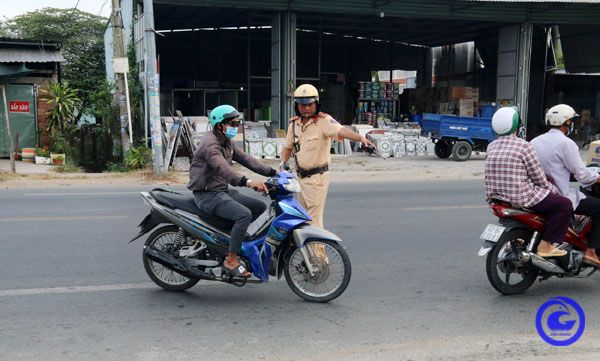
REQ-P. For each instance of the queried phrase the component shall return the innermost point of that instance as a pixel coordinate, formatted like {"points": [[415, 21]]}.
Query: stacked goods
{"points": [[377, 101], [268, 148], [398, 144], [28, 155], [444, 100], [467, 98]]}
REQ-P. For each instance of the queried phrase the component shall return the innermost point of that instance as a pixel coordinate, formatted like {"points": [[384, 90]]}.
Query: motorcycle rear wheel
{"points": [[499, 271], [159, 274], [332, 277]]}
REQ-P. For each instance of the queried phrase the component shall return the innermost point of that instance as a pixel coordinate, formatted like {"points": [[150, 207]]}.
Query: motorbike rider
{"points": [[559, 156], [514, 174], [210, 174]]}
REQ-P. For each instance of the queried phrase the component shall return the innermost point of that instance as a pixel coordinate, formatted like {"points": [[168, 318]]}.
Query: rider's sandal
{"points": [[240, 271], [591, 261], [554, 253]]}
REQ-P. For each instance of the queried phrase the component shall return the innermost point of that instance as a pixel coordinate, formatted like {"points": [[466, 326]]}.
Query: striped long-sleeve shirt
{"points": [[514, 174]]}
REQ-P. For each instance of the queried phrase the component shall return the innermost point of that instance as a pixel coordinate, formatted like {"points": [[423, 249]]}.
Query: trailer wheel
{"points": [[442, 149], [461, 151]]}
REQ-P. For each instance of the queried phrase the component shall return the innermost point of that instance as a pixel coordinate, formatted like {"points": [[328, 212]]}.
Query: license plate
{"points": [[492, 232]]}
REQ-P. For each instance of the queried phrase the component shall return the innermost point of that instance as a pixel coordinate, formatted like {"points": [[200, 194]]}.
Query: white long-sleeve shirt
{"points": [[559, 156]]}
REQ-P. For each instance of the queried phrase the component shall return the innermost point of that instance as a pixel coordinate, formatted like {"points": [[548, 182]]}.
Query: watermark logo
{"points": [[560, 321]]}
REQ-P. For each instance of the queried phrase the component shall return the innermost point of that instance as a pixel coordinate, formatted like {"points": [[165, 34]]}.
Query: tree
{"points": [[82, 44]]}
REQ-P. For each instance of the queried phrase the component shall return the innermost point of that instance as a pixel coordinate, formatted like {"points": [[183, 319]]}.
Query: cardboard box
{"points": [[586, 115], [467, 107], [458, 92], [594, 153]]}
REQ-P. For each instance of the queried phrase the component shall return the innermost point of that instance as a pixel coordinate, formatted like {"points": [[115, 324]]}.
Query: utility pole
{"points": [[119, 53], [153, 89]]}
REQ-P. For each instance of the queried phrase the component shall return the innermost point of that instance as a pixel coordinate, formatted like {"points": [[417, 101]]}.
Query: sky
{"points": [[12, 8]]}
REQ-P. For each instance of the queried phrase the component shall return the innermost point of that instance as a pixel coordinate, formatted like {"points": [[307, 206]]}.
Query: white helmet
{"points": [[505, 120], [559, 114]]}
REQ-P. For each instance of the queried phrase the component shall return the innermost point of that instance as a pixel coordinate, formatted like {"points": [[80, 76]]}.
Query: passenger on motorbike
{"points": [[210, 174], [559, 156], [514, 174]]}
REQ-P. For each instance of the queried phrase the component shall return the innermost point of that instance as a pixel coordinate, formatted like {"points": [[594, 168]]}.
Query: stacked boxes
{"points": [[397, 143], [444, 100]]}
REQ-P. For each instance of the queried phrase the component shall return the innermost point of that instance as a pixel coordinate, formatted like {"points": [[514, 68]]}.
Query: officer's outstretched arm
{"points": [[348, 134]]}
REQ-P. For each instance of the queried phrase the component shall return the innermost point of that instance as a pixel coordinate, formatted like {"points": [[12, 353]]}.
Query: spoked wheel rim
{"points": [[330, 271], [165, 243]]}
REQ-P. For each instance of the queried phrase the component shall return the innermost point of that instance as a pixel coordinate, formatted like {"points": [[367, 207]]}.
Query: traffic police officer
{"points": [[309, 138]]}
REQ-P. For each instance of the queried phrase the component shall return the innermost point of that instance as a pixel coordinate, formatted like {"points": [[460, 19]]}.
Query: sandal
{"points": [[239, 271], [591, 261], [554, 253]]}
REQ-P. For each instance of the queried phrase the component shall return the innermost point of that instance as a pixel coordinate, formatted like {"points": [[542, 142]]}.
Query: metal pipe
{"points": [[249, 72], [532, 241]]}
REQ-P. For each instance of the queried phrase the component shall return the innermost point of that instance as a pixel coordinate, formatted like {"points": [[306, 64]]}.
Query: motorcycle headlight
{"points": [[293, 186]]}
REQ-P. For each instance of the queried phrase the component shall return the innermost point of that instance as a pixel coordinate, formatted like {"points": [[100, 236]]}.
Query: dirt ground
{"points": [[356, 168]]}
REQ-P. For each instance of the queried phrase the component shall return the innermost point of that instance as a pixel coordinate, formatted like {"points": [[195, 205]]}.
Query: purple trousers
{"points": [[559, 210]]}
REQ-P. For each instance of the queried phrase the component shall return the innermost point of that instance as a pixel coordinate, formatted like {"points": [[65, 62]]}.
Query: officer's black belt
{"points": [[305, 173]]}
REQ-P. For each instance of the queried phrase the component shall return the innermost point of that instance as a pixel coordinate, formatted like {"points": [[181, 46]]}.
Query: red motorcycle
{"points": [[512, 264]]}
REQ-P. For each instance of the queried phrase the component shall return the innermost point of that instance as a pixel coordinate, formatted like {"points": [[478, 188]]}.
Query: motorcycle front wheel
{"points": [[504, 271], [332, 266], [164, 239]]}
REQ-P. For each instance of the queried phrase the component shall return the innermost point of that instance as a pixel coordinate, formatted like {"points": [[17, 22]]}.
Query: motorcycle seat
{"points": [[499, 201], [186, 202]]}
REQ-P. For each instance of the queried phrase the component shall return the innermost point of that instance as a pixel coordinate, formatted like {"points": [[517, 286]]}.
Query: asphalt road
{"points": [[72, 288]]}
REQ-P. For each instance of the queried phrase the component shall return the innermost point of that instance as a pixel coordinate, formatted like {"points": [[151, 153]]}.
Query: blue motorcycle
{"points": [[192, 245]]}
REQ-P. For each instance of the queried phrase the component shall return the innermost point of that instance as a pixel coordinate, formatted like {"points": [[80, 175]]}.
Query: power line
{"points": [[102, 8], [75, 8]]}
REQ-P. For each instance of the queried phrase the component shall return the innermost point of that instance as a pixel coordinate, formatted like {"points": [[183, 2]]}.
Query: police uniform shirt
{"points": [[314, 138]]}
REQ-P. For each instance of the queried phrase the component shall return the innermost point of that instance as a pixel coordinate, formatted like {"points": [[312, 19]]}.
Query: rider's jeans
{"points": [[558, 209], [590, 206], [234, 206]]}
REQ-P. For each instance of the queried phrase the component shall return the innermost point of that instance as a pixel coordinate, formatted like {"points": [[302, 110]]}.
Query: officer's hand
{"points": [[258, 186], [366, 142]]}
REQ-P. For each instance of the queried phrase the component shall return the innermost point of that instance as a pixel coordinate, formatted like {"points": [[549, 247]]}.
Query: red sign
{"points": [[16, 106]]}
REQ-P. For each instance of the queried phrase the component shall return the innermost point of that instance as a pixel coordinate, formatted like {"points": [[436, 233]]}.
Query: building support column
{"points": [[283, 67], [514, 67]]}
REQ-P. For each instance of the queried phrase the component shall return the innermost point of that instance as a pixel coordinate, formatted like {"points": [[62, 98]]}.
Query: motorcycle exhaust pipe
{"points": [[543, 264], [175, 264]]}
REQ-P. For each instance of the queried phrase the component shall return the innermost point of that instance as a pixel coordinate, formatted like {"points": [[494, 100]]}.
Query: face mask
{"points": [[231, 132]]}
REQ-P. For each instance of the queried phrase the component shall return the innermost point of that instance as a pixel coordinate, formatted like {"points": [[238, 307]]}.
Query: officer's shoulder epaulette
{"points": [[294, 118], [323, 115]]}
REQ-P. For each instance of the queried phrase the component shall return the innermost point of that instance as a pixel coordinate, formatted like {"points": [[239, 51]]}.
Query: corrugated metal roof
{"points": [[523, 11], [8, 55]]}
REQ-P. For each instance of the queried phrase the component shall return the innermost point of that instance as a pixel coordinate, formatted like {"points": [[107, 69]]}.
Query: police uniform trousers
{"points": [[312, 198]]}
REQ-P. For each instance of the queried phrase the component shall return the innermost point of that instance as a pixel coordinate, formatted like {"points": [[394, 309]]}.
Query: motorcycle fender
{"points": [[305, 232], [152, 220], [486, 247]]}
